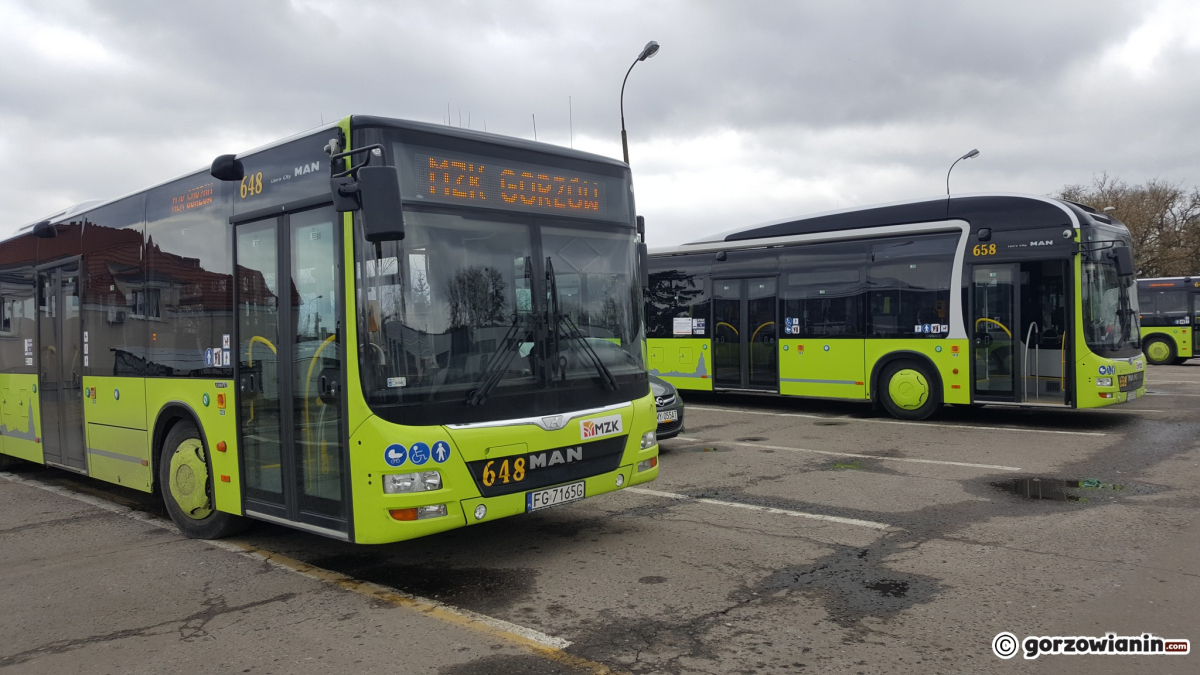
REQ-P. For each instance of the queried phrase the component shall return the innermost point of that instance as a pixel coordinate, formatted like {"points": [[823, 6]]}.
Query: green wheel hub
{"points": [[908, 389], [1158, 351], [189, 479]]}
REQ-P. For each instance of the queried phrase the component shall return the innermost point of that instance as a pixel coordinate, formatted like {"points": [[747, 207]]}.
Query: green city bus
{"points": [[975, 299], [1170, 310], [373, 331]]}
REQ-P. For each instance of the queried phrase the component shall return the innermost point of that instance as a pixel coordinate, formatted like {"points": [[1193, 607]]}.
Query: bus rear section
{"points": [[235, 342], [994, 299]]}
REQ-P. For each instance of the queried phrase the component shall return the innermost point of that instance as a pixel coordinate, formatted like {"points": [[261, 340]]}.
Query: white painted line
{"points": [[764, 509], [918, 424], [1167, 393], [319, 574], [833, 453], [1154, 381]]}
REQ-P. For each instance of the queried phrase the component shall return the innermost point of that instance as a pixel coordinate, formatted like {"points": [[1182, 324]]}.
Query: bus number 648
{"points": [[517, 475]]}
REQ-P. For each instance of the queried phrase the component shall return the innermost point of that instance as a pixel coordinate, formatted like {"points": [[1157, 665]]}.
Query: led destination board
{"points": [[479, 181]]}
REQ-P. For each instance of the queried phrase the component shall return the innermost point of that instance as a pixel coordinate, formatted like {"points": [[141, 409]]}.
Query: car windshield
{"points": [[459, 315], [1110, 302]]}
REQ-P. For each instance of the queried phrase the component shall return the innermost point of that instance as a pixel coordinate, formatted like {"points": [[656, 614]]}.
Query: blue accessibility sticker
{"points": [[441, 451], [394, 455], [418, 453], [208, 357]]}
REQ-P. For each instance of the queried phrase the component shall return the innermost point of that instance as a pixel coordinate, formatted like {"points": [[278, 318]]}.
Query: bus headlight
{"points": [[403, 483], [648, 440], [1103, 381]]}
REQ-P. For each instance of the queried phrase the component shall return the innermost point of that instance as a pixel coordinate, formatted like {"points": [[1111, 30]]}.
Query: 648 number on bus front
{"points": [[980, 250], [503, 473]]}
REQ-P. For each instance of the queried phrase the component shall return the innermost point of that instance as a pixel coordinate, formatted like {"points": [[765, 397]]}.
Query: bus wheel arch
{"points": [[1160, 350], [912, 372], [183, 476]]}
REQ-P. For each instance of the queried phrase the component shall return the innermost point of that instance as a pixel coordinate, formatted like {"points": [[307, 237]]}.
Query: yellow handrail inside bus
{"points": [[722, 323], [769, 323], [307, 383], [1006, 330], [250, 362]]}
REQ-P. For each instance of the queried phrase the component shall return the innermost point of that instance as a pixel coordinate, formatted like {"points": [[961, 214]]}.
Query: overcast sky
{"points": [[751, 111]]}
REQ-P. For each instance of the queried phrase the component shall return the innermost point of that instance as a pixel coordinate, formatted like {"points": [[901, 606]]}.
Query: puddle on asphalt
{"points": [[706, 448], [751, 439], [830, 423], [1057, 489], [889, 588]]}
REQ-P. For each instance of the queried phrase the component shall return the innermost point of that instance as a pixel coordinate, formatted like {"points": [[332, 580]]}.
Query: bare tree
{"points": [[1162, 217]]}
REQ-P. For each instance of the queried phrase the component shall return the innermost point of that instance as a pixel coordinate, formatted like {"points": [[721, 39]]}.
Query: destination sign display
{"points": [[475, 180]]}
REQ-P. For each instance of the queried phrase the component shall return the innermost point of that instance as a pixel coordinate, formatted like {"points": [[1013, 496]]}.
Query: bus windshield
{"points": [[1110, 309], [460, 324]]}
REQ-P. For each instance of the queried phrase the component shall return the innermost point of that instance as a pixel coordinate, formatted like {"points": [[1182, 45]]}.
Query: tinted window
{"points": [[1164, 307], [909, 281], [18, 319], [186, 301], [679, 289], [114, 276], [826, 295]]}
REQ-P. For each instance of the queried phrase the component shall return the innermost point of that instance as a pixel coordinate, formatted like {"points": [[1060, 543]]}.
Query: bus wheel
{"points": [[908, 391], [185, 474], [1159, 351]]}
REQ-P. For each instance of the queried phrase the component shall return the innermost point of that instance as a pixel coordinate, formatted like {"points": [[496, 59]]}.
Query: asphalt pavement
{"points": [[783, 536]]}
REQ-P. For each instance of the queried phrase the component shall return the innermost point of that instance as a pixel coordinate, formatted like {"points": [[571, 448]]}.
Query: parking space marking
{"points": [[1154, 381], [1167, 393], [919, 424], [833, 453], [763, 509], [547, 646]]}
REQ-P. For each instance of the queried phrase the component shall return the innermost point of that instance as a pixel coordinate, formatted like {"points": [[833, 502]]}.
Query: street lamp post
{"points": [[649, 50], [969, 155]]}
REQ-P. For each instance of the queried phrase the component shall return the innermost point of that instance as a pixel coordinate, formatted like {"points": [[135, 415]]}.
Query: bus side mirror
{"points": [[45, 230], [644, 265], [1123, 257], [227, 168], [375, 191]]}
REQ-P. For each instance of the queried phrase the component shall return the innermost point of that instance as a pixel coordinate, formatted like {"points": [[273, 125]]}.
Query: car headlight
{"points": [[1103, 381], [403, 483]]}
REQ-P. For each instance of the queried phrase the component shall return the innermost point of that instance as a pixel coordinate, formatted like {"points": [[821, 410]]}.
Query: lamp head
{"points": [[649, 50], [969, 155]]}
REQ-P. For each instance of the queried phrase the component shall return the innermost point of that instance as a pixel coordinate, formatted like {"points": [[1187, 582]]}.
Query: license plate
{"points": [[668, 416], [544, 499], [1132, 396]]}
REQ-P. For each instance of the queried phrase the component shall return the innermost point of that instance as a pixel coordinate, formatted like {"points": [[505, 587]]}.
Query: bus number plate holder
{"points": [[555, 496]]}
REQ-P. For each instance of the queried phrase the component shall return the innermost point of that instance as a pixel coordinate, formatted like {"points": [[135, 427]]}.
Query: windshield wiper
{"points": [[497, 365], [573, 332]]}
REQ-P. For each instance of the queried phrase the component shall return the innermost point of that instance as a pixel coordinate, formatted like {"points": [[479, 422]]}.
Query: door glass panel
{"points": [[49, 365], [1042, 330], [71, 384], [316, 362], [993, 325], [727, 329], [258, 336], [760, 315]]}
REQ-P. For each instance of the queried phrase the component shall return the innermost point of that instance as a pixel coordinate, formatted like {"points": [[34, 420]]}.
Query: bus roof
{"points": [[356, 121], [998, 211]]}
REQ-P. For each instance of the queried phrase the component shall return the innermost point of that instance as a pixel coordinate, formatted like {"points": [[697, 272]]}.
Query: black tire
{"points": [[1171, 353], [1180, 360], [900, 410], [214, 524]]}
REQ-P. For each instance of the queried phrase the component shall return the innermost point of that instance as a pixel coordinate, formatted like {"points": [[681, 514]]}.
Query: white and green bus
{"points": [[974, 299]]}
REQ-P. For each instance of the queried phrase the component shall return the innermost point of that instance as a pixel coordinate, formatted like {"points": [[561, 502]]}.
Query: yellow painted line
{"points": [[546, 646]]}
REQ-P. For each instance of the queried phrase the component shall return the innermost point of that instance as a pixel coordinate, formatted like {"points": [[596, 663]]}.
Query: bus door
{"points": [[993, 320], [744, 334], [1020, 326], [60, 368], [290, 334]]}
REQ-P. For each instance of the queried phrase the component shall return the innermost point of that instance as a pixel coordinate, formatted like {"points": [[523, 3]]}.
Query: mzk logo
{"points": [[603, 426], [307, 168]]}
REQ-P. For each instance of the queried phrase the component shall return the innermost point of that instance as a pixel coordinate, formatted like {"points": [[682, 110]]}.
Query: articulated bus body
{"points": [[239, 346], [974, 299], [1170, 312]]}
